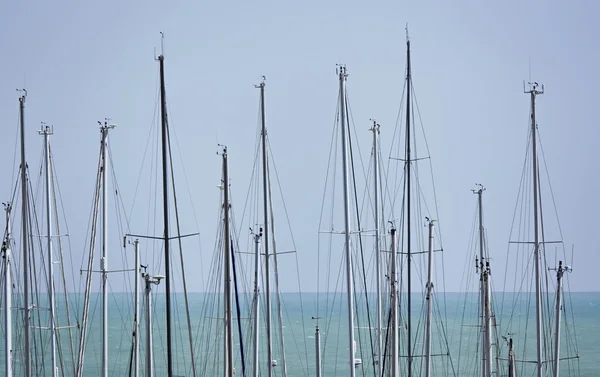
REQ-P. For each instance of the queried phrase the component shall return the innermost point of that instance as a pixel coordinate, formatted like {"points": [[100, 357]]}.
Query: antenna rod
{"points": [[349, 280], [261, 86], [6, 256], [47, 132], [408, 219], [24, 201], [165, 168]]}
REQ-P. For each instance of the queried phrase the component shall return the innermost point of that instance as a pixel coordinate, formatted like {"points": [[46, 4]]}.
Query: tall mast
{"points": [[256, 308], [429, 298], [165, 170], [394, 304], [408, 208], [228, 370], [559, 276], [103, 260], [136, 329], [27, 356], [7, 296], [149, 280], [349, 280], [533, 91], [261, 86], [375, 130], [46, 131], [485, 295]]}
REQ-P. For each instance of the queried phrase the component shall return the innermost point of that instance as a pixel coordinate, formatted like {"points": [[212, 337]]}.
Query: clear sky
{"points": [[84, 61]]}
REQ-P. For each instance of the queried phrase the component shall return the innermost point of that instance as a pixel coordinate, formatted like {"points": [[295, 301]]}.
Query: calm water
{"points": [[299, 333]]}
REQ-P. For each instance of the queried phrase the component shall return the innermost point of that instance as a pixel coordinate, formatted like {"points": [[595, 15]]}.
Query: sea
{"points": [[455, 334]]}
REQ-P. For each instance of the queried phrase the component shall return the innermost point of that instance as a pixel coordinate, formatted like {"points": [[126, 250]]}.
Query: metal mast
{"points": [[559, 276], [408, 230], [349, 280], [227, 272], [103, 260], [533, 91], [24, 201], [394, 304], [46, 131], [149, 280], [165, 170], [8, 348], [429, 298], [261, 86], [256, 313], [485, 293], [136, 328], [375, 130]]}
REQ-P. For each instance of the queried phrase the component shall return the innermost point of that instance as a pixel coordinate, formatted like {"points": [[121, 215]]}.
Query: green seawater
{"points": [[455, 315]]}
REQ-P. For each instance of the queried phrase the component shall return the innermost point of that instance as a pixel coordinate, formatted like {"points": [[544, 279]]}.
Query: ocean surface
{"points": [[456, 321]]}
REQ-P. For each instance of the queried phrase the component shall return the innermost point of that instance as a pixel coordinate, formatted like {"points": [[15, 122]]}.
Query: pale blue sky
{"points": [[84, 61]]}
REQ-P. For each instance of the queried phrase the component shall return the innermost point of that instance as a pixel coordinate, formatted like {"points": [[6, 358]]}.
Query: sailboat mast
{"points": [[559, 276], [7, 296], [537, 257], [256, 320], [103, 260], [375, 130], [349, 280], [429, 298], [261, 86], [394, 304], [408, 210], [27, 349], [228, 370], [165, 169], [486, 355], [136, 328], [46, 131]]}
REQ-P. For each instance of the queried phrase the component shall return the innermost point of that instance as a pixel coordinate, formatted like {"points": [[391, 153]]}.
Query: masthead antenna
{"points": [[162, 44]]}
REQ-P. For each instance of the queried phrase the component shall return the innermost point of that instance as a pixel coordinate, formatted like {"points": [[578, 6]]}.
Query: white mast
{"points": [[559, 276], [261, 86], [533, 91], [394, 305], [429, 298], [149, 280], [136, 322], [349, 280], [46, 131], [375, 130], [228, 359], [256, 300], [318, 351], [103, 260], [7, 296], [25, 261]]}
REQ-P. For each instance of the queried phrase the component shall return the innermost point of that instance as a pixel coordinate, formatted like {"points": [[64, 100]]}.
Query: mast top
{"points": [[375, 126], [341, 71], [262, 83], [23, 94], [533, 88], [479, 189], [45, 129]]}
